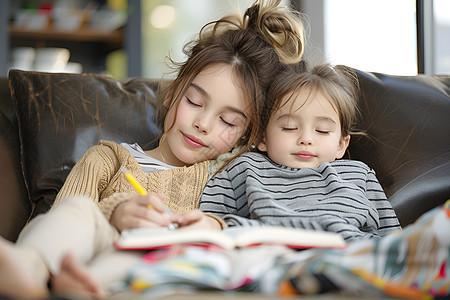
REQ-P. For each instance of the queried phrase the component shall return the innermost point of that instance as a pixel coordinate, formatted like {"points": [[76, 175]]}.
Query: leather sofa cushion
{"points": [[408, 142], [61, 115]]}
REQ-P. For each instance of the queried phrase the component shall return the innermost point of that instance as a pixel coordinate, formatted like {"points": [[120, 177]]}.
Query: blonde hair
{"points": [[257, 45], [339, 84]]}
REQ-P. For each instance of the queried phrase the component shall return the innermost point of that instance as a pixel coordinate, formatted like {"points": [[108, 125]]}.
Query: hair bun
{"points": [[279, 26], [252, 14]]}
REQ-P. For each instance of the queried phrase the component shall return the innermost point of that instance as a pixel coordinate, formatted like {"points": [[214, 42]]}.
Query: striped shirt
{"points": [[147, 163], [343, 196]]}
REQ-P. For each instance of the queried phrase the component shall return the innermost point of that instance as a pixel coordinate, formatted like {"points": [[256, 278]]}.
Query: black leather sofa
{"points": [[47, 121]]}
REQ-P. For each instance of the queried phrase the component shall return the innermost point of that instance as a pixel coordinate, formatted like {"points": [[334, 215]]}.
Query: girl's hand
{"points": [[195, 219], [140, 211]]}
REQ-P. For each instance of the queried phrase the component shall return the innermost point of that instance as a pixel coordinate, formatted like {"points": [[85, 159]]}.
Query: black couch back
{"points": [[53, 118]]}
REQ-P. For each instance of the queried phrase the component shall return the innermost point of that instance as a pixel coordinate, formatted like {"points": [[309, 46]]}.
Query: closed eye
{"points": [[323, 131], [289, 128], [227, 123], [192, 103]]}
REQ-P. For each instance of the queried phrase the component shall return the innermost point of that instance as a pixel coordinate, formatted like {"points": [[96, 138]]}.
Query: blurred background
{"points": [[131, 38]]}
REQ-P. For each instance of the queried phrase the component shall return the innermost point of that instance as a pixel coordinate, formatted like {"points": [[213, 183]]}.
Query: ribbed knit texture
{"points": [[343, 196], [98, 176]]}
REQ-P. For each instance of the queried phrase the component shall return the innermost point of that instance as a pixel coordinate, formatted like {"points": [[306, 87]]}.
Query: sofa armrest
{"points": [[15, 207]]}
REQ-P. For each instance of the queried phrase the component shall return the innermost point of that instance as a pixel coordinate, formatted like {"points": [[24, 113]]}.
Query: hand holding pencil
{"points": [[132, 213], [140, 210], [141, 190]]}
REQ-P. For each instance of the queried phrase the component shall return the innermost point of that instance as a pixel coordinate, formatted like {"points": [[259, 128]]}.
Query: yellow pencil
{"points": [[135, 183], [139, 188]]}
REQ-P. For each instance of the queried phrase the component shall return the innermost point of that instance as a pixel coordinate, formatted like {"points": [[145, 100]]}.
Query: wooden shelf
{"points": [[84, 34], [87, 46]]}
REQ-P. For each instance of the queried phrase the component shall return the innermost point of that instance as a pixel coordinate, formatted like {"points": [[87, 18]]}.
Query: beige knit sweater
{"points": [[98, 176]]}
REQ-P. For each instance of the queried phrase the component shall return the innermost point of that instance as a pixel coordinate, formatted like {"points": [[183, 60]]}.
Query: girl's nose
{"points": [[304, 138], [202, 124]]}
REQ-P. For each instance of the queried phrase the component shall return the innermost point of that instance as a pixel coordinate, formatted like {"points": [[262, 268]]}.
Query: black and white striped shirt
{"points": [[343, 196]]}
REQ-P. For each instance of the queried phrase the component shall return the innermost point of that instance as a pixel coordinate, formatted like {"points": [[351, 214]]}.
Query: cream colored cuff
{"points": [[109, 204], [221, 222]]}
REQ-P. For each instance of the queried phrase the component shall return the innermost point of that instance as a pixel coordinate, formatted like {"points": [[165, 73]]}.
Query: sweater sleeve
{"points": [[90, 175], [225, 192], [387, 216], [314, 199], [327, 222], [109, 204], [218, 197]]}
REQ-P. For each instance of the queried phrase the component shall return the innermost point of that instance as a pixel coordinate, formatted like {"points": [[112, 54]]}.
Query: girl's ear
{"points": [[343, 144], [262, 146]]}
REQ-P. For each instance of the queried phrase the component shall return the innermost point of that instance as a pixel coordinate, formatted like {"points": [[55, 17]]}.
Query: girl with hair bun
{"points": [[256, 46], [211, 112]]}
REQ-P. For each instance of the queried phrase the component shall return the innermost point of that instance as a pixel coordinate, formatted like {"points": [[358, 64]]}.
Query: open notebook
{"points": [[230, 238]]}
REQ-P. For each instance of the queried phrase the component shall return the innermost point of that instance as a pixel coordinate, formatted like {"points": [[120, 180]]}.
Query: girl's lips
{"points": [[192, 141], [304, 155]]}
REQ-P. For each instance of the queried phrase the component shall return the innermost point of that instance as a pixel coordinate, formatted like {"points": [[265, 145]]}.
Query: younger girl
{"points": [[299, 180], [212, 106]]}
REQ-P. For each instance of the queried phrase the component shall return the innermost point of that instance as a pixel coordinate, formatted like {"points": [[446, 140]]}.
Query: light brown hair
{"points": [[256, 45], [339, 84]]}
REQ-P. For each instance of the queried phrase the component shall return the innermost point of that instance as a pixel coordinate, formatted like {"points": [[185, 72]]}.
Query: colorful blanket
{"points": [[413, 264]]}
